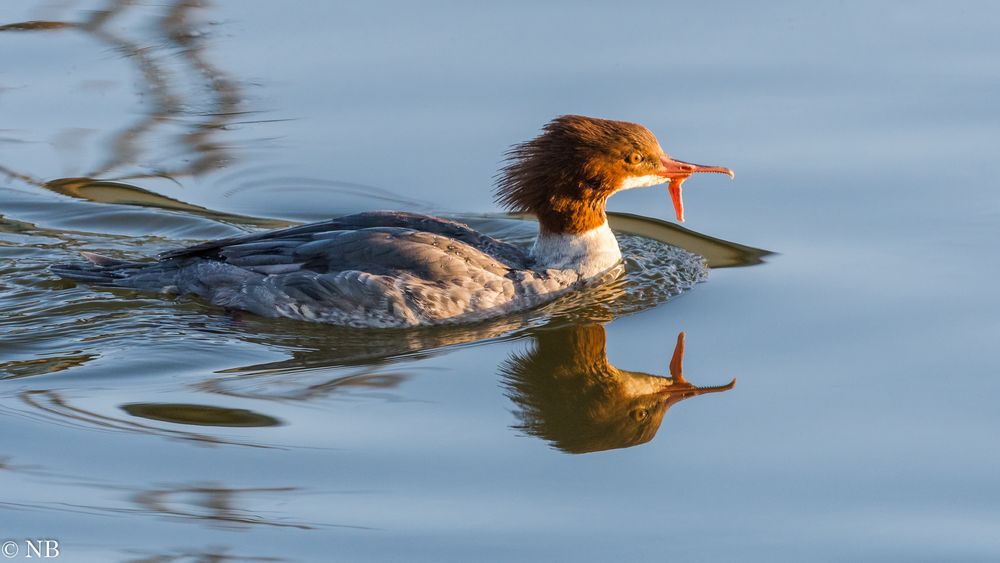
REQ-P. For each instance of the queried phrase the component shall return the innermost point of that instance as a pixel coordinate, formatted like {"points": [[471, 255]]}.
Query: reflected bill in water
{"points": [[568, 394]]}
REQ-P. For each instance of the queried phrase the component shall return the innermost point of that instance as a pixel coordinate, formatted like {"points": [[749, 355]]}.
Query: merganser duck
{"points": [[396, 269]]}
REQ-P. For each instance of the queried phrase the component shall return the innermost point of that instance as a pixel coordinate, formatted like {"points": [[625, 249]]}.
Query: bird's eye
{"points": [[640, 414], [634, 158]]}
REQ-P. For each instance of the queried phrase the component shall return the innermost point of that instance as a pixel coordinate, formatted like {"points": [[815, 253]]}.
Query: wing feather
{"points": [[306, 240]]}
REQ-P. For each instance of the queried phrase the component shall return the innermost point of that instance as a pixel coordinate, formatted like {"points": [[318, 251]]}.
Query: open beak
{"points": [[677, 171]]}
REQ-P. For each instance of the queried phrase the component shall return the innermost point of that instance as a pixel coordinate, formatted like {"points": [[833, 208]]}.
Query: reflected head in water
{"points": [[567, 393]]}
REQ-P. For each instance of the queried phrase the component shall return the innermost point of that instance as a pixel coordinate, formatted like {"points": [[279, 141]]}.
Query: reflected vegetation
{"points": [[568, 394], [8, 464], [302, 386], [717, 252], [120, 193], [169, 109], [199, 415], [217, 505], [188, 103], [39, 366], [194, 502], [53, 405], [208, 554]]}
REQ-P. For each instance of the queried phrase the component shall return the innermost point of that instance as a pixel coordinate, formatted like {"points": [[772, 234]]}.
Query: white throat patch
{"points": [[588, 253], [642, 181]]}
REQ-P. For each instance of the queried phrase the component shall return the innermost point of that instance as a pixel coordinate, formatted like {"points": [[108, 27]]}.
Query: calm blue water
{"points": [[863, 136]]}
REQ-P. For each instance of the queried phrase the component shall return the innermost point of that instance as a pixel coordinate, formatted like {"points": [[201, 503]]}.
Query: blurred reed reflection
{"points": [[187, 100], [57, 407], [208, 554], [187, 105], [217, 505], [199, 415], [121, 193], [568, 394]]}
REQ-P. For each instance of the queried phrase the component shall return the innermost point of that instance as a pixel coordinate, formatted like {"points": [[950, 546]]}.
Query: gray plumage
{"points": [[379, 269]]}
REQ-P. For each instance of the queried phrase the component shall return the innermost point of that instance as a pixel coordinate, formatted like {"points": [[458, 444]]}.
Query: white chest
{"points": [[589, 253]]}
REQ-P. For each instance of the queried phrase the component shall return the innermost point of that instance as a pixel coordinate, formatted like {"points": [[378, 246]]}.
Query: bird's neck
{"points": [[589, 253], [572, 209], [573, 232]]}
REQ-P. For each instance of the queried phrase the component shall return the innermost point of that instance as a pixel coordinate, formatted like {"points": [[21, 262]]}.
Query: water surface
{"points": [[145, 428]]}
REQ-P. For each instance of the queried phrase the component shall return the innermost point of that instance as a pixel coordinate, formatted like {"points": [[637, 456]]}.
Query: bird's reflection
{"points": [[568, 394]]}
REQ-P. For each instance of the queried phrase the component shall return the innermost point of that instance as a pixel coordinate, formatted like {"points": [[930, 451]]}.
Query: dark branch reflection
{"points": [[55, 406], [200, 415], [211, 554], [14, 369], [189, 103], [568, 393], [219, 100], [120, 193], [201, 503], [215, 504], [178, 35]]}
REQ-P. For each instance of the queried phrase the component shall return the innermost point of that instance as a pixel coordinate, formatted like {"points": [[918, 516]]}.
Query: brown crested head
{"points": [[566, 174]]}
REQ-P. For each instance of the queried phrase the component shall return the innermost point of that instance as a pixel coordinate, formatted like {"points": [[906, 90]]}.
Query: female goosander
{"points": [[396, 269]]}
